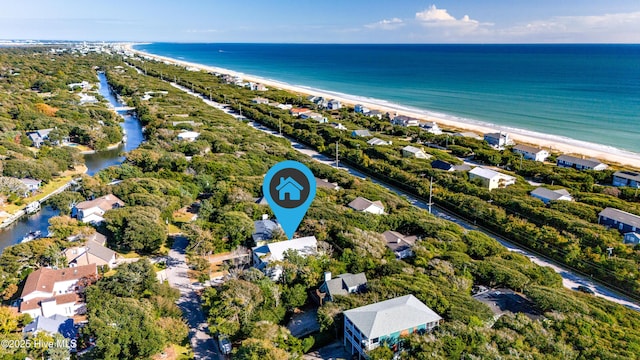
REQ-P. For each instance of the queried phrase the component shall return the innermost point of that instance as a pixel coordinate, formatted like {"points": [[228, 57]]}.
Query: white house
{"points": [[48, 292], [568, 161], [314, 116], [530, 152], [92, 211], [31, 184], [491, 179], [265, 255], [367, 327], [38, 137], [412, 151], [364, 205], [361, 109], [547, 195], [432, 128], [406, 121], [498, 140], [188, 135], [378, 142], [338, 126], [334, 104]]}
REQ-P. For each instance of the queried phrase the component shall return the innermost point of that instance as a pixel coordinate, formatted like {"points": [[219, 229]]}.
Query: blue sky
{"points": [[329, 21]]}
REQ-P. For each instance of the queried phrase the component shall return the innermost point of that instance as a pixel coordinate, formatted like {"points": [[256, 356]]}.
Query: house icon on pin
{"points": [[289, 187]]}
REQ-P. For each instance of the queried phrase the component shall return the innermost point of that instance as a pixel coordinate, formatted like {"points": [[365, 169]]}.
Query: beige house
{"points": [[92, 211], [90, 253]]}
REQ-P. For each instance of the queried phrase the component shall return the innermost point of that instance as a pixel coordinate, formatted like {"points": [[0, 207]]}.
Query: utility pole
{"points": [[280, 126], [430, 193], [210, 98], [337, 161], [521, 156]]}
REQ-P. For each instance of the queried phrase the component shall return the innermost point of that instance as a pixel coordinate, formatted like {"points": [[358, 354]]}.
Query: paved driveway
{"points": [[204, 346]]}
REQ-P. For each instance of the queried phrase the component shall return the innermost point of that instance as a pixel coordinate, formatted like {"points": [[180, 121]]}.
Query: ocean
{"points": [[584, 92]]}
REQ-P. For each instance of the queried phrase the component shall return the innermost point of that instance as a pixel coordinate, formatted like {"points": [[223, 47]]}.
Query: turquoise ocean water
{"points": [[584, 92]]}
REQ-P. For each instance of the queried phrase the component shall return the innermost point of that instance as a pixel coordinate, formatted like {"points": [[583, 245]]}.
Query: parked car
{"points": [[585, 290], [224, 344]]}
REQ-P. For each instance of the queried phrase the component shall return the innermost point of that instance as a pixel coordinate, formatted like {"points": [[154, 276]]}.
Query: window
{"points": [[375, 340]]}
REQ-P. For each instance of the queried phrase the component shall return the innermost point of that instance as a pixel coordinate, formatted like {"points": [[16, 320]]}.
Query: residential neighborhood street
{"points": [[203, 345]]}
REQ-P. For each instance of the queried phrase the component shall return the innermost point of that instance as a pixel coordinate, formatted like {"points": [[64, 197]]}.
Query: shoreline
{"points": [[555, 143]]}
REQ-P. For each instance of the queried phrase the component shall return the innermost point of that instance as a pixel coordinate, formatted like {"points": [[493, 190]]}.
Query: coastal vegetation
{"points": [[565, 232], [226, 168], [220, 174]]}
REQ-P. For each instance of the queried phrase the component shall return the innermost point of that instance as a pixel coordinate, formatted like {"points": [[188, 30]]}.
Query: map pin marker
{"points": [[289, 188]]}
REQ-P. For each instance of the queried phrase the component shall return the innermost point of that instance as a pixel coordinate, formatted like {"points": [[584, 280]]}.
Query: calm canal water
{"points": [[94, 162]]}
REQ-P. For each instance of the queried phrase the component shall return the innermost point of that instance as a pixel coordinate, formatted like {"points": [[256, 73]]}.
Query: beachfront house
{"points": [[491, 179], [334, 104], [568, 161], [443, 165], [498, 140], [385, 322], [617, 219], [632, 238], [626, 178], [343, 285], [360, 133], [412, 151], [378, 142], [90, 253], [189, 136], [365, 205], [431, 128], [400, 244], [530, 152], [547, 195], [402, 120], [48, 292], [264, 256], [91, 211], [38, 137], [361, 109], [375, 113], [468, 134]]}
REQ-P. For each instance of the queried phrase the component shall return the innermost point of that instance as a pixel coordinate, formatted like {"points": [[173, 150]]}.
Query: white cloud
{"points": [[434, 17], [621, 27], [386, 24]]}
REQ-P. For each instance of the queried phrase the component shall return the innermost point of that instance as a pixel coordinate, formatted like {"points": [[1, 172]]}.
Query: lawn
{"points": [[45, 190]]}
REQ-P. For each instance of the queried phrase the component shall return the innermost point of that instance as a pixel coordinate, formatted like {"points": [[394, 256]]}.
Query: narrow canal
{"points": [[94, 162]]}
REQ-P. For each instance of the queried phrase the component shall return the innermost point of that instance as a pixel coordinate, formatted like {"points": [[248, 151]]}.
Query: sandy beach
{"points": [[607, 154]]}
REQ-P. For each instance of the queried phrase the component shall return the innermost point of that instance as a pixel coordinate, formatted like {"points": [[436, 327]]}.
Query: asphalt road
{"points": [[204, 346], [570, 279]]}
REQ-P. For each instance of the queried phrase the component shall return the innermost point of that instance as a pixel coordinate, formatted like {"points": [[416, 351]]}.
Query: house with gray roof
{"points": [[618, 219], [366, 205], [60, 324], [412, 151], [530, 152], [264, 256], [443, 165], [568, 161], [377, 142], [400, 244], [491, 179], [383, 323], [90, 253], [38, 137], [547, 195], [360, 133], [632, 238], [626, 178], [343, 284], [263, 230]]}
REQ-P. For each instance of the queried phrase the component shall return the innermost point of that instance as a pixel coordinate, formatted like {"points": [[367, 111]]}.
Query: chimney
{"points": [[265, 216], [398, 240], [281, 179], [327, 276]]}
